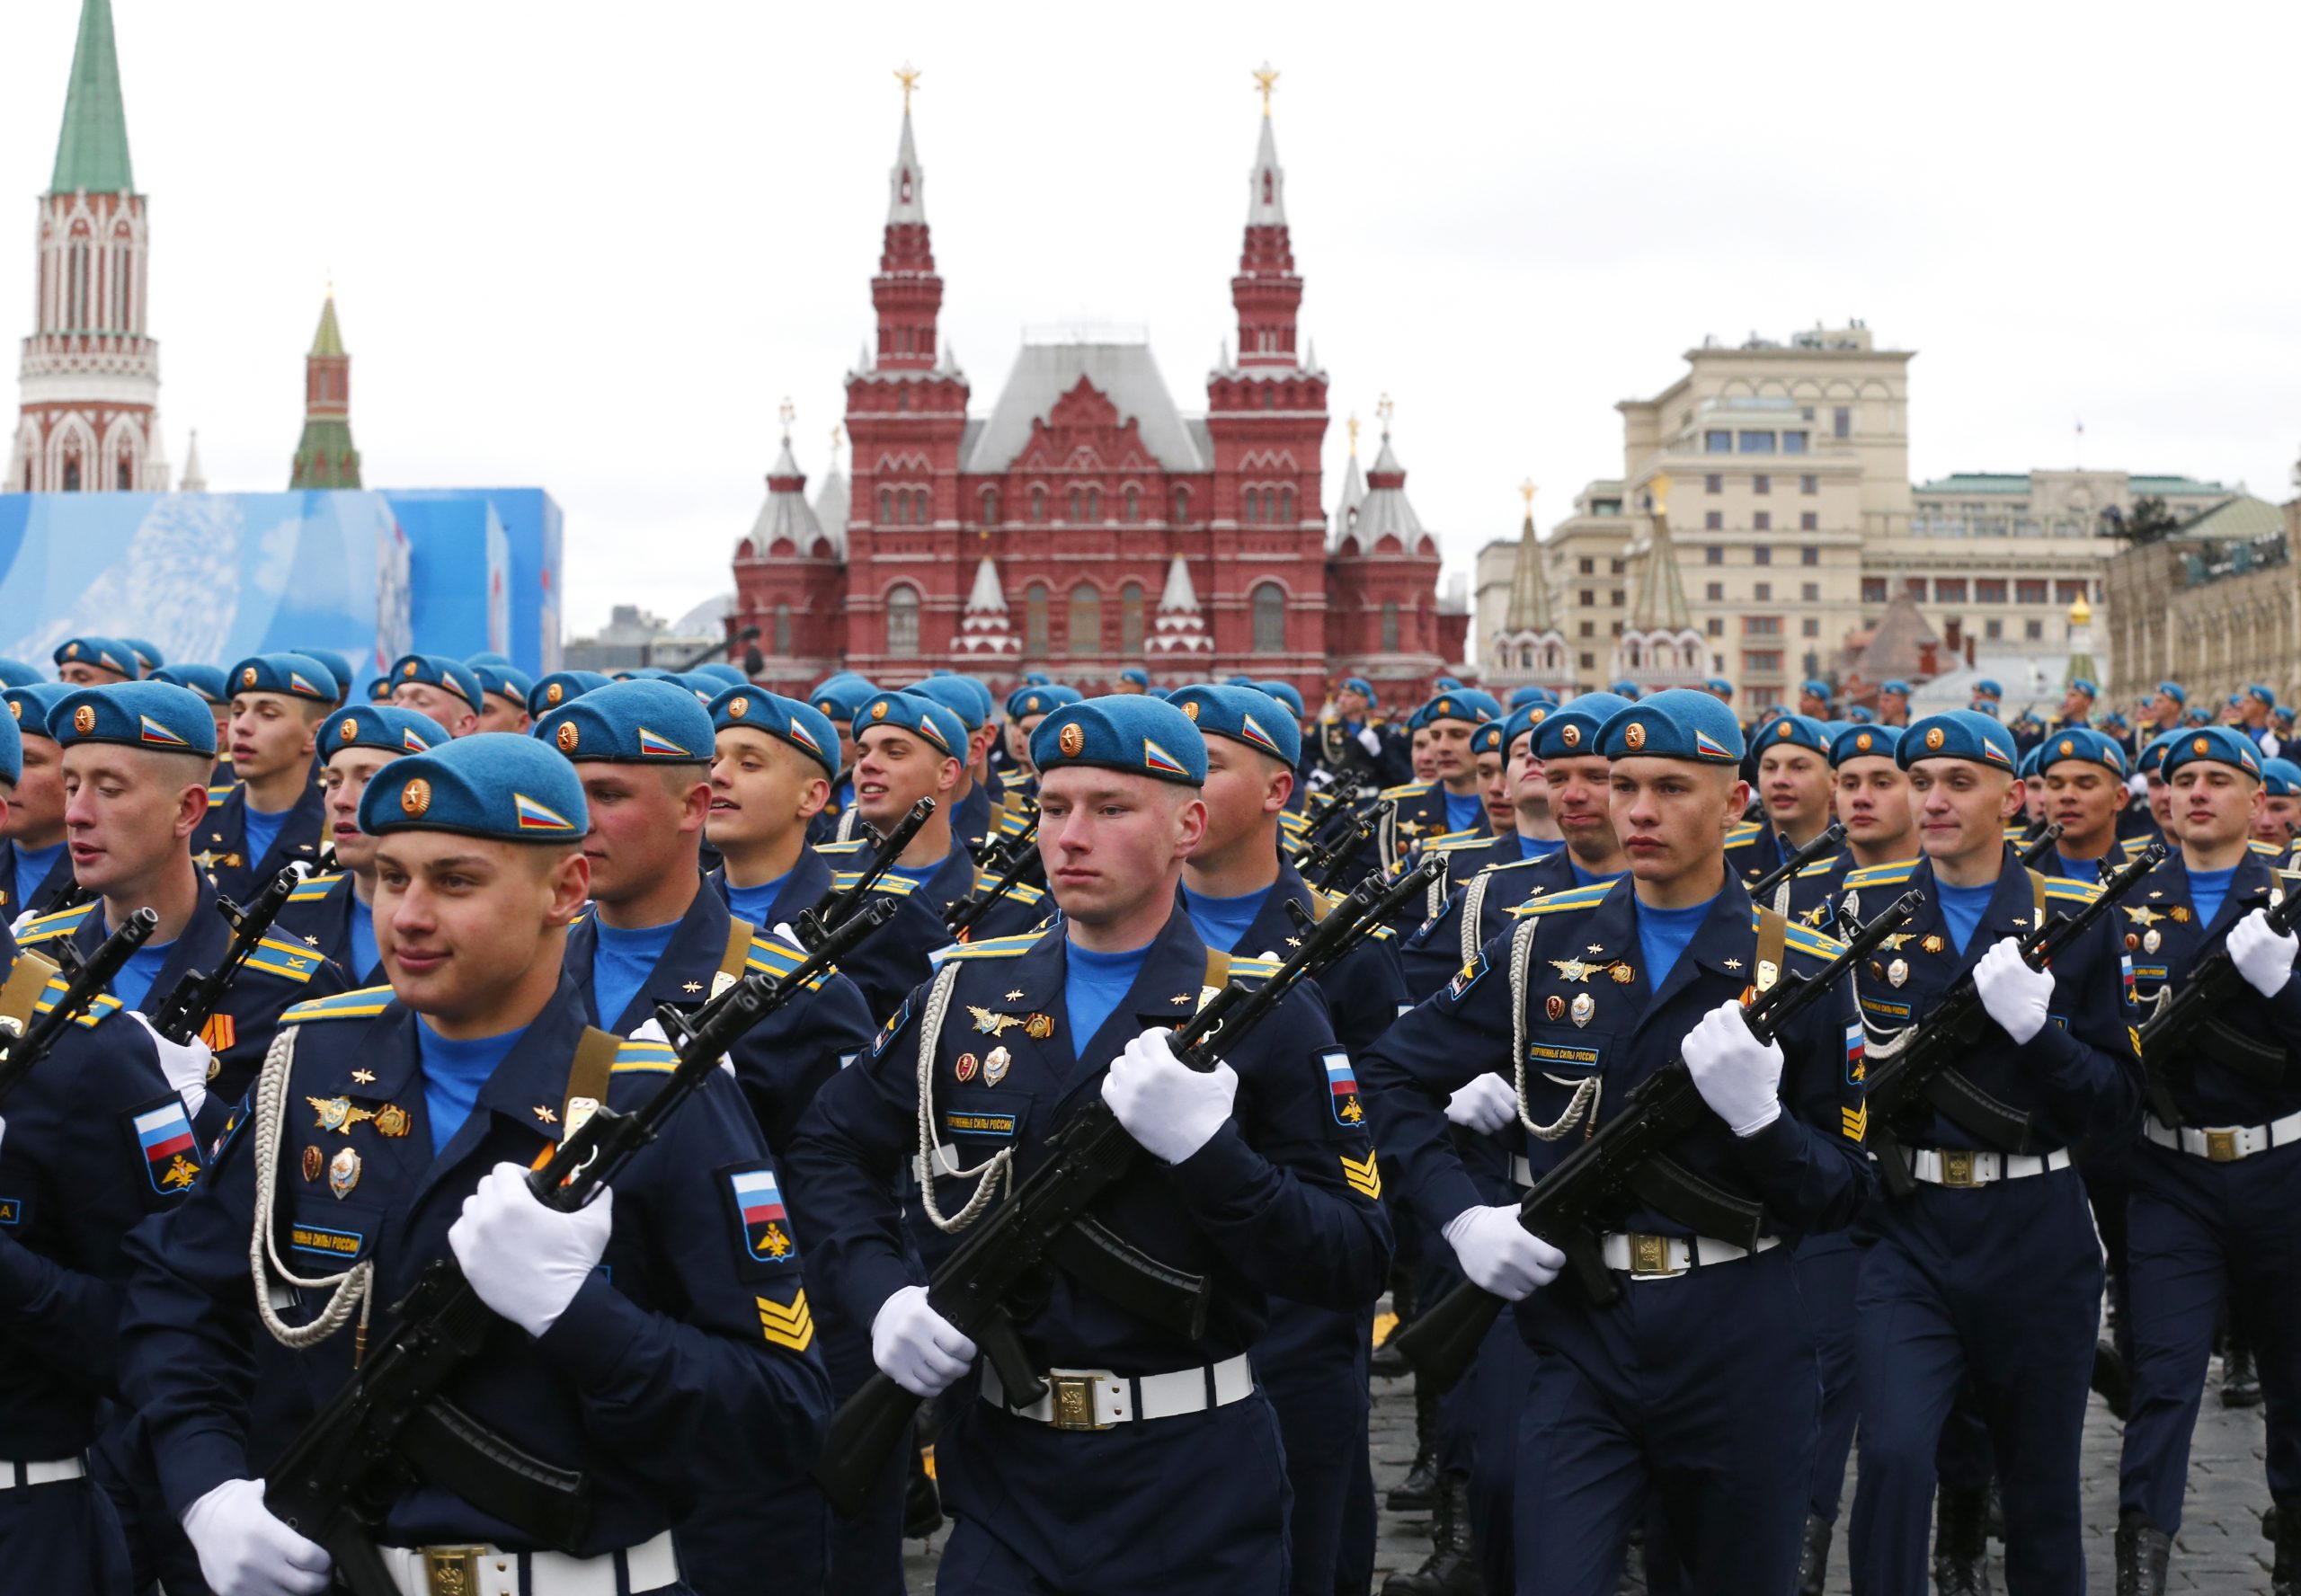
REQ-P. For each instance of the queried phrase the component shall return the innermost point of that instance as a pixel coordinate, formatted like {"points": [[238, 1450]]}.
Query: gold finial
{"points": [[1526, 492], [907, 75], [1264, 75], [788, 412], [1660, 490], [2081, 613], [1352, 424], [836, 433], [1382, 408]]}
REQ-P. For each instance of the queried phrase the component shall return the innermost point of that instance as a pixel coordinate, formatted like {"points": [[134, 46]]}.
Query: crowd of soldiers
{"points": [[594, 1137]]}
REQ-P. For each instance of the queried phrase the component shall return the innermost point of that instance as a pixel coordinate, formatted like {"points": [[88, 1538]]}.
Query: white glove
{"points": [[2015, 995], [1738, 1076], [2261, 956], [526, 1261], [916, 1347], [1170, 1108], [1371, 740], [1484, 1105], [244, 1551], [1500, 1254], [185, 1064]]}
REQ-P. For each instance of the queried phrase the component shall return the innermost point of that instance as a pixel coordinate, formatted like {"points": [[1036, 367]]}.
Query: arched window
{"points": [[1270, 618], [922, 507], [990, 507], [1075, 505], [1285, 505], [886, 507], [72, 474], [1253, 505], [1038, 504], [1390, 626], [902, 619], [126, 475], [1129, 620], [1094, 504], [782, 633], [1034, 620], [1133, 506], [902, 395], [1181, 505], [1085, 637]]}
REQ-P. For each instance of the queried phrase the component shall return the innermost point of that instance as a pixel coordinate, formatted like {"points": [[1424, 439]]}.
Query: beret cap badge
{"points": [[247, 677], [349, 731], [1864, 741], [1190, 708], [415, 798], [1935, 737], [1072, 739], [1571, 736], [83, 719], [1633, 736], [2198, 747], [554, 692], [879, 709], [567, 737], [410, 669], [738, 708]]}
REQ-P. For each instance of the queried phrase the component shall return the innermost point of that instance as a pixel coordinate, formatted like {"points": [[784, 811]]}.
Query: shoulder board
{"points": [[1744, 830], [777, 959], [1741, 842], [292, 961], [1257, 969], [1408, 790], [1447, 842], [643, 1057], [313, 887], [1881, 875], [893, 885], [48, 927], [998, 947], [1021, 893], [1293, 821], [836, 849], [365, 1004], [2072, 891], [1807, 940], [1588, 897], [2015, 833], [101, 1009], [2267, 850], [2133, 845], [1823, 868], [221, 791]]}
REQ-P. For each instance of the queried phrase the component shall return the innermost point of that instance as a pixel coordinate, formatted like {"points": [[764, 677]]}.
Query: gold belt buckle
{"points": [[452, 1571], [1649, 1257], [1957, 1168], [2221, 1147], [1073, 1406]]}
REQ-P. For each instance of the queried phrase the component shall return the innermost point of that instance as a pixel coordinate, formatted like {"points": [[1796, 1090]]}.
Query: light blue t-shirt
{"points": [[453, 1074], [2208, 888], [621, 964], [916, 874], [1663, 934], [1962, 908], [1221, 921], [262, 828], [1539, 848], [364, 951], [2084, 870], [1584, 878], [33, 866], [1093, 984], [756, 903], [133, 984], [1462, 813]]}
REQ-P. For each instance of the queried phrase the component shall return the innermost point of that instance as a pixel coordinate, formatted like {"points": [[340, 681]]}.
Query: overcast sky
{"points": [[591, 248]]}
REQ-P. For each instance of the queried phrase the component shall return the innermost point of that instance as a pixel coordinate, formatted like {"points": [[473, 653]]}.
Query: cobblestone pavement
{"points": [[2220, 1548]]}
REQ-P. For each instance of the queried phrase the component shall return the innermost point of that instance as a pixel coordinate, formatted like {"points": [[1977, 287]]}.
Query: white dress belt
{"points": [[1947, 1166], [13, 1475], [1666, 1257], [2223, 1144], [486, 1571], [1098, 1400]]}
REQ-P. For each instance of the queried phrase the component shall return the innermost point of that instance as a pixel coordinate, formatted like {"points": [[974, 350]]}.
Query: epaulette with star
{"points": [[1408, 790], [2062, 889], [1573, 897], [634, 1056], [1882, 876], [998, 947], [777, 959], [290, 961], [313, 887], [101, 1009], [1812, 871], [364, 1003], [2267, 850], [1743, 835], [48, 928], [1447, 842], [1253, 968]]}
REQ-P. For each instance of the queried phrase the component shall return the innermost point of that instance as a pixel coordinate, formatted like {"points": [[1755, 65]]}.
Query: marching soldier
{"points": [[2082, 773], [1989, 1273], [2217, 1178], [838, 697], [503, 696], [2076, 705], [1026, 706], [87, 662], [1795, 786], [336, 912], [1259, 1176], [208, 682], [2281, 817], [1705, 1361], [1449, 803], [1893, 704], [657, 1341], [971, 802], [35, 867], [447, 690], [557, 688], [273, 818], [1355, 747], [1870, 799]]}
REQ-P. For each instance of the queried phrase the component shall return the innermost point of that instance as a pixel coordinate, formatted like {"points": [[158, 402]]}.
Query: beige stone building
{"points": [[2213, 606]]}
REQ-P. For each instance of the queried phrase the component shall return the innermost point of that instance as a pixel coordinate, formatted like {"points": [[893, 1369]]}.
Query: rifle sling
{"points": [[1100, 1258], [452, 1449], [20, 996], [736, 956], [587, 1077]]}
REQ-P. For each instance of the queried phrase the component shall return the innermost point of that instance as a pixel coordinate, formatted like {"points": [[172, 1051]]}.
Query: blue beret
{"points": [[2027, 767], [726, 675], [2218, 745], [1796, 731], [1139, 734], [802, 725], [633, 723], [559, 687], [1454, 706], [207, 680], [156, 715], [1719, 686], [1243, 715], [1039, 699], [2261, 692], [2282, 711], [339, 666], [505, 681], [1895, 686], [379, 688], [30, 706], [2114, 719], [1141, 679], [385, 726], [1519, 723], [109, 653], [1958, 734], [1360, 685], [148, 653], [1676, 724], [1857, 716], [1531, 694], [438, 671], [2082, 743], [704, 689], [1572, 730], [956, 694], [1864, 743], [1625, 689], [1445, 684], [913, 714], [16, 673], [486, 657], [837, 695], [1487, 739], [2197, 716], [495, 784], [1038, 679], [2151, 760], [12, 753], [1287, 693], [2085, 685], [2175, 691], [297, 675], [2281, 777], [1989, 688], [1819, 689]]}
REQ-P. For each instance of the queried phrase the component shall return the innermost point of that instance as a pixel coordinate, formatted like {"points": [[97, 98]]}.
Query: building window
{"points": [[1762, 521], [1130, 619], [1713, 555], [1270, 618], [2029, 592], [1390, 625], [1285, 505], [1589, 629], [1038, 504], [1992, 629], [1761, 660], [1811, 592], [886, 507], [1589, 662], [1717, 625], [1810, 484], [71, 473], [124, 477], [990, 507], [1589, 597], [1714, 593], [2034, 631], [1094, 504], [1714, 520], [1873, 590], [2068, 592], [1812, 626], [1755, 443], [1615, 568], [1588, 566], [1915, 586], [1761, 484], [1616, 597], [1717, 443], [1077, 504], [1762, 592], [1950, 589], [1809, 554], [903, 620], [1134, 507], [1989, 589], [1084, 636], [1841, 421], [782, 633], [1762, 556], [1793, 443], [1034, 620], [1713, 484], [1808, 521], [1181, 505]]}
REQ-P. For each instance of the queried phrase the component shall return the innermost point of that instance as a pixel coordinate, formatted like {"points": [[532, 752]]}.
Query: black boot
{"points": [[1450, 1570], [2141, 1552], [2241, 1379], [1419, 1492], [1959, 1544], [1814, 1557], [2284, 1572]]}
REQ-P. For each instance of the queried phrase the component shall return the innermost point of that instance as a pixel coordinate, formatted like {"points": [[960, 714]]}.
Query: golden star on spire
{"points": [[1660, 489], [788, 412], [1264, 75], [907, 75], [1383, 408], [1526, 492], [1352, 424]]}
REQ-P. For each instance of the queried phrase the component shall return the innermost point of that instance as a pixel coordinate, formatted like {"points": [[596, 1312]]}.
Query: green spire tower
{"points": [[324, 457], [92, 152]]}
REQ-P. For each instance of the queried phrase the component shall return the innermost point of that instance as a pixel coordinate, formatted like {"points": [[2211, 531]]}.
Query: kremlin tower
{"points": [[324, 457]]}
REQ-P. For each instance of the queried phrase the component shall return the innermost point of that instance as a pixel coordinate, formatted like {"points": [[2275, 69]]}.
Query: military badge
{"points": [[988, 1023], [995, 1066], [1933, 943], [338, 1114], [567, 737], [1620, 973], [767, 1237], [83, 719], [1039, 1027], [2180, 913], [1071, 739], [1554, 1007], [2151, 940], [1633, 736], [392, 1120], [1466, 977], [1342, 1089], [342, 1173], [1583, 1007], [312, 1163], [1898, 972], [963, 1067], [415, 798]]}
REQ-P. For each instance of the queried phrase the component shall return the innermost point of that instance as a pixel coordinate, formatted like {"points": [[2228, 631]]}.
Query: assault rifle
{"points": [[1012, 856], [391, 1428], [186, 1009], [28, 1044], [1925, 1068], [1624, 1157], [1323, 859], [2039, 845], [835, 907], [1047, 1217], [2192, 1019], [1820, 848]]}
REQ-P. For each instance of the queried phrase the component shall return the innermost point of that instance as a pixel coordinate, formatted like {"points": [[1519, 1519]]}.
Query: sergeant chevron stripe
{"points": [[1855, 1122], [1364, 1177], [792, 1326]]}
